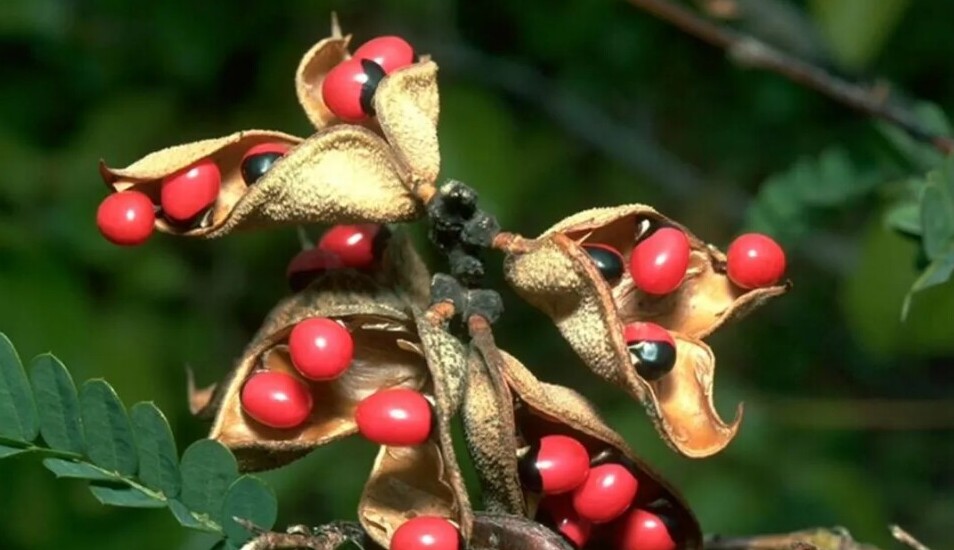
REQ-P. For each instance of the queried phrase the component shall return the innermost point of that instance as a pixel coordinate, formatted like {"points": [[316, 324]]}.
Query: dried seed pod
{"points": [[545, 409], [424, 479], [406, 106], [556, 274], [343, 174]]}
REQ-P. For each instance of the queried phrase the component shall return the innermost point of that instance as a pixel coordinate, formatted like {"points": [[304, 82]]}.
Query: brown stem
{"points": [[752, 52]]}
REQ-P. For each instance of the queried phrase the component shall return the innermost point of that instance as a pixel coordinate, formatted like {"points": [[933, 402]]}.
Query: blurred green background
{"points": [[548, 107]]}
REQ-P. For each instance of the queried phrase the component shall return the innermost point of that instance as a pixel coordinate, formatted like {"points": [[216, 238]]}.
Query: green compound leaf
{"points": [[186, 518], [10, 451], [109, 437], [77, 470], [123, 495], [208, 469], [158, 457], [57, 404], [939, 272], [17, 408], [249, 498], [937, 213]]}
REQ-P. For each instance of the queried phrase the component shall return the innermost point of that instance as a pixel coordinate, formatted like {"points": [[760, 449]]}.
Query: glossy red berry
{"points": [[320, 348], [390, 52], [755, 260], [642, 530], [348, 88], [608, 261], [309, 264], [356, 245], [651, 348], [555, 464], [187, 193], [426, 533], [259, 159], [398, 417], [659, 261], [126, 218], [276, 399], [564, 520], [606, 494]]}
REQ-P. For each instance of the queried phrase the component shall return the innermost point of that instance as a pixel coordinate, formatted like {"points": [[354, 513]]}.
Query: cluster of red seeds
{"points": [[348, 89], [581, 495], [658, 265], [127, 218]]}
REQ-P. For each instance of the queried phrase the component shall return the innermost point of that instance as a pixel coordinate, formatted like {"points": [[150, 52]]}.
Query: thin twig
{"points": [[906, 538], [752, 52]]}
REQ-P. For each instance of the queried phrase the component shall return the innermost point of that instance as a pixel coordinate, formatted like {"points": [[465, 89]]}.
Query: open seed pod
{"points": [[540, 410], [345, 174], [425, 479], [405, 105], [556, 274]]}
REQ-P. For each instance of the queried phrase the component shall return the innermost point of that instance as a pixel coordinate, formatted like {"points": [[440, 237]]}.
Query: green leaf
{"points": [[921, 156], [17, 408], [249, 498], [10, 451], [185, 518], [125, 496], [939, 272], [905, 217], [77, 470], [857, 30], [208, 469], [937, 216], [109, 437], [158, 458], [57, 404]]}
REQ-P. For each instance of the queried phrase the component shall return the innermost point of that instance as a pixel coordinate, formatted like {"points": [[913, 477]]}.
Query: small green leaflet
{"points": [[57, 405], [937, 212], [158, 458], [109, 437], [77, 470], [208, 469], [249, 499], [939, 272], [125, 496], [185, 518], [17, 408], [10, 451]]}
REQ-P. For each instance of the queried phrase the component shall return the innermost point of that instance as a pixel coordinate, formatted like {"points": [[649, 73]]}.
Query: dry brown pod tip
{"points": [[555, 274]]}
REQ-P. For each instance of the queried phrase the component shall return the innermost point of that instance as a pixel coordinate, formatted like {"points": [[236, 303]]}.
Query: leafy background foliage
{"points": [[547, 108]]}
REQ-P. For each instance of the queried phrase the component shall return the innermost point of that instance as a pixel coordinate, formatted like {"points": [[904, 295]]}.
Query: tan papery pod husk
{"points": [[555, 274], [379, 326], [406, 105], [563, 410], [425, 479], [345, 174]]}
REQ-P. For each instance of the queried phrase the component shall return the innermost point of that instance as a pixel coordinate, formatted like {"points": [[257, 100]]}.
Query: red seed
{"points": [[755, 260], [606, 493], [320, 348], [398, 417], [659, 262], [259, 159], [566, 521], [354, 244], [276, 399], [309, 264], [642, 530], [390, 52], [348, 88], [188, 192], [426, 533], [556, 464], [126, 218]]}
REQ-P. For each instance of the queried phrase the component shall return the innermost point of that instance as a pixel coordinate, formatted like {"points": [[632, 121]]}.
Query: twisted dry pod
{"points": [[406, 105], [555, 274], [343, 174], [506, 408], [394, 347]]}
